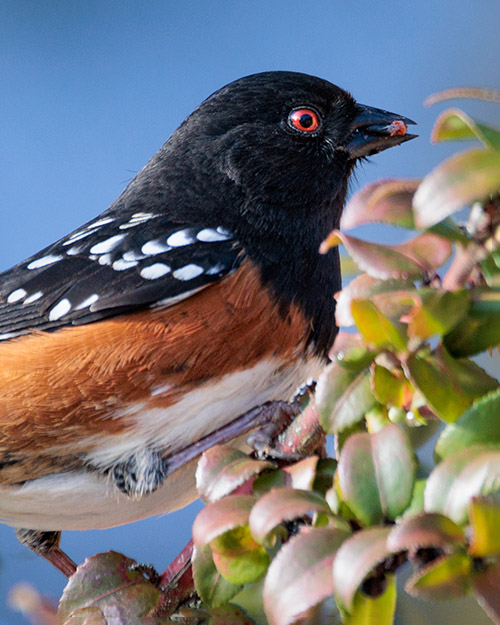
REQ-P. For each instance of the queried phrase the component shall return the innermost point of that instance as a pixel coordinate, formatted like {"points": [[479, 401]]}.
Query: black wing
{"points": [[110, 266]]}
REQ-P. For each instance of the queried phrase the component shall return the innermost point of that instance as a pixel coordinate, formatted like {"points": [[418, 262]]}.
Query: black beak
{"points": [[375, 130]]}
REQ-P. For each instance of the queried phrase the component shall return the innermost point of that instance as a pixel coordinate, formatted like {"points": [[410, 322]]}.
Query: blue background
{"points": [[91, 89]]}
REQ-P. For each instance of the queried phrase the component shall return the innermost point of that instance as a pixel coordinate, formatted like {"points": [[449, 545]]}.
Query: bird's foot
{"points": [[46, 544]]}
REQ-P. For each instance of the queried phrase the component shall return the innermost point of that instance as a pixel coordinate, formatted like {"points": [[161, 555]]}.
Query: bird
{"points": [[196, 296]]}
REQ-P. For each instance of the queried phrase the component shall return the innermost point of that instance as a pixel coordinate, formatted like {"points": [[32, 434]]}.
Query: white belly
{"points": [[83, 500]]}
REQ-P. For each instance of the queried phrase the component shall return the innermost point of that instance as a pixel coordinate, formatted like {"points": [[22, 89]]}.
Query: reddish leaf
{"points": [[355, 559], [302, 474], [113, 585], [283, 504], [486, 585], [376, 474], [300, 576], [385, 201], [459, 181], [220, 516], [222, 469], [424, 531], [421, 255]]}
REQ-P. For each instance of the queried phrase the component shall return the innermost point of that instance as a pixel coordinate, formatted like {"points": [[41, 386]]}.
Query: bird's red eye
{"points": [[303, 119]]}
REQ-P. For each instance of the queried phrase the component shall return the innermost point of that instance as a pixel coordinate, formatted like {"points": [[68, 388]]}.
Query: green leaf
{"points": [[455, 125], [238, 558], [468, 473], [459, 181], [377, 330], [387, 387], [222, 469], [212, 588], [300, 576], [355, 559], [436, 312], [447, 577], [480, 424], [480, 329], [374, 610], [426, 530], [376, 474], [449, 385], [385, 201], [283, 504], [484, 516], [343, 396]]}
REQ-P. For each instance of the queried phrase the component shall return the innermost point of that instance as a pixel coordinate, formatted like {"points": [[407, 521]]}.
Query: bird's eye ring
{"points": [[304, 120]]}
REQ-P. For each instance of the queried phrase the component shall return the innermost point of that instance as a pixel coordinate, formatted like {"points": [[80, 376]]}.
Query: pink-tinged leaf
{"points": [[455, 125], [220, 516], [211, 587], [424, 531], [112, 584], [447, 577], [377, 330], [436, 312], [479, 425], [486, 585], [302, 474], [421, 255], [300, 576], [374, 610], [283, 504], [484, 516], [222, 469], [351, 351], [392, 297], [355, 559], [449, 385], [468, 473], [376, 474], [464, 178], [343, 396], [385, 201], [475, 93]]}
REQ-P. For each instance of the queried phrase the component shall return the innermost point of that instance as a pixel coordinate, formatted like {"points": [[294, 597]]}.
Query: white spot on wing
{"points": [[60, 309], [188, 272], [76, 236], [170, 301], [152, 272], [16, 295], [136, 219], [103, 247], [42, 262], [208, 235], [33, 298], [180, 238], [105, 259], [88, 301], [72, 251], [7, 335], [100, 222], [154, 247], [132, 255], [213, 271], [121, 264]]}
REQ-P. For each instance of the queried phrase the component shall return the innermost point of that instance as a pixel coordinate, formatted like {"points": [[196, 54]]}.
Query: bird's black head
{"points": [[268, 157]]}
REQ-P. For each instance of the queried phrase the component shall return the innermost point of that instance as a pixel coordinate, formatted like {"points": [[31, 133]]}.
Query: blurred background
{"points": [[90, 90]]}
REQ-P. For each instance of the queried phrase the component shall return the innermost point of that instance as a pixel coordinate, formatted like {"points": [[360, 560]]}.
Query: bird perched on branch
{"points": [[197, 295]]}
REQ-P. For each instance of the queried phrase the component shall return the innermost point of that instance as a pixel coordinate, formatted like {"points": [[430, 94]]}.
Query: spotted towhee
{"points": [[196, 296]]}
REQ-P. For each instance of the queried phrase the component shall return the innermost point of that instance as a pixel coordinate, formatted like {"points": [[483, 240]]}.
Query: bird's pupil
{"points": [[306, 120]]}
